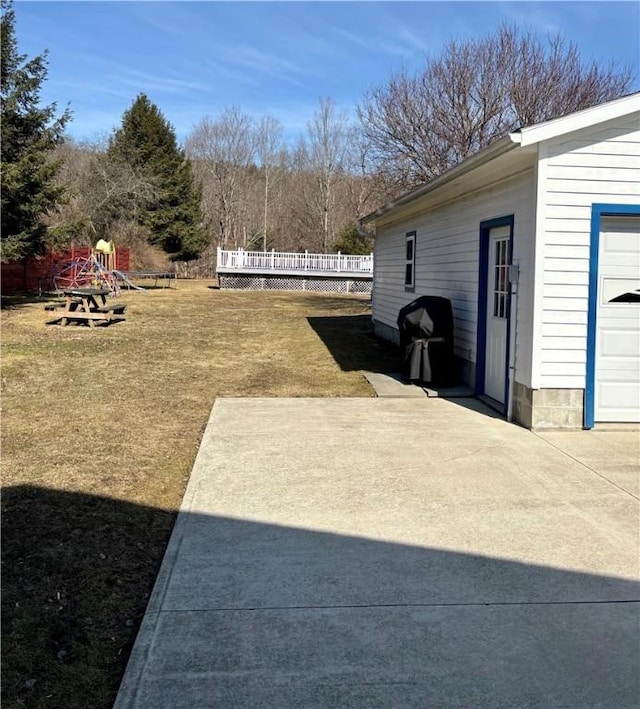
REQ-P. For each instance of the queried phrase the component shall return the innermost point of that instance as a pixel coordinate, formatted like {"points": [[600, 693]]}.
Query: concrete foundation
{"points": [[548, 408], [386, 332]]}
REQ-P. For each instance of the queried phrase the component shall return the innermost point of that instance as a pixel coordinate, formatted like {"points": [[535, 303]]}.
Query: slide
{"points": [[121, 277]]}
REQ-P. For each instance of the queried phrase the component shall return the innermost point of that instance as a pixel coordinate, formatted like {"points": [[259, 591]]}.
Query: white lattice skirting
{"points": [[316, 285]]}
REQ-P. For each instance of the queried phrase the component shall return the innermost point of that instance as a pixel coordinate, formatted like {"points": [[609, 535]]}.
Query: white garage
{"points": [[617, 349], [536, 242]]}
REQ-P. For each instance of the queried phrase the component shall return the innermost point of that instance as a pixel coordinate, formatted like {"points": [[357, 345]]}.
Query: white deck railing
{"points": [[241, 260]]}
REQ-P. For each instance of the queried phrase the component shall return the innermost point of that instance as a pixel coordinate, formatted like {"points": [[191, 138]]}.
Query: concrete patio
{"points": [[396, 552]]}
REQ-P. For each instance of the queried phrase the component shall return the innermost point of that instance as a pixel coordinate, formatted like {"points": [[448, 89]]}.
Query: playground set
{"points": [[97, 269], [102, 266]]}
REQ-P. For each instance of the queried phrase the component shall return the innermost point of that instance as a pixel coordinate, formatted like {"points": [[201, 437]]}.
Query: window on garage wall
{"points": [[410, 260]]}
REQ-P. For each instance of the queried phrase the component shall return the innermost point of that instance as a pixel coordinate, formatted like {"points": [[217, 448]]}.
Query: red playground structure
{"points": [[96, 270]]}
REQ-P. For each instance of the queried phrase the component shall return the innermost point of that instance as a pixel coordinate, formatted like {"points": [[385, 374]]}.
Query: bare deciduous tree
{"points": [[365, 186], [323, 154], [222, 151], [104, 195], [475, 92], [269, 147]]}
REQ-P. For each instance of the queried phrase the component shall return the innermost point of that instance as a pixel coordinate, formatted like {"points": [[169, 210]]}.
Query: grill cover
{"points": [[426, 341]]}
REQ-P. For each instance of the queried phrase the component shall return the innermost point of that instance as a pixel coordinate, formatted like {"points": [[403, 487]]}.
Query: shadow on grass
{"points": [[10, 302], [322, 301], [353, 344], [349, 621], [98, 324], [77, 572]]}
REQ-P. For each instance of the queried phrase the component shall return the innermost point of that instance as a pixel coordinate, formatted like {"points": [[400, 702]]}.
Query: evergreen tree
{"points": [[29, 133], [146, 141], [352, 242]]}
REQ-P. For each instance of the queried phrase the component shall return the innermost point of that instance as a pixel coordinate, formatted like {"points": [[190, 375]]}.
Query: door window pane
{"points": [[501, 278]]}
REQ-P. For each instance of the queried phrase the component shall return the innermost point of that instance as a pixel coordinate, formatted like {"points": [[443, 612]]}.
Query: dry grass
{"points": [[100, 431]]}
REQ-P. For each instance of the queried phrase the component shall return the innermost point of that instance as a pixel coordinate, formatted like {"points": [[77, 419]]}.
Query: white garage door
{"points": [[617, 376]]}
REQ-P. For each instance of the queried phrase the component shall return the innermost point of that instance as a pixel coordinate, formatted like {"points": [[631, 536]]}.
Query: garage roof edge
{"points": [[586, 118], [500, 147]]}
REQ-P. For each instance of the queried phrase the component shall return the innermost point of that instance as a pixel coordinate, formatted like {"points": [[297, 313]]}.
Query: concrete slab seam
{"points": [[584, 465], [369, 606]]}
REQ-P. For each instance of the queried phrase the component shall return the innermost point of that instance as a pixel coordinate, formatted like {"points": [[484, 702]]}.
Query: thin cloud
{"points": [[263, 62], [219, 71], [167, 84], [353, 38], [171, 24], [378, 44], [411, 39], [533, 17], [94, 87]]}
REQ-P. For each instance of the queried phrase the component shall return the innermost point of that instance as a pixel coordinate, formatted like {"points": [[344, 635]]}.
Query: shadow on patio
{"points": [[258, 614]]}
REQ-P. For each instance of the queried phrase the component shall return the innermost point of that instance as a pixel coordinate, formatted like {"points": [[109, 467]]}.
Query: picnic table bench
{"points": [[89, 305]]}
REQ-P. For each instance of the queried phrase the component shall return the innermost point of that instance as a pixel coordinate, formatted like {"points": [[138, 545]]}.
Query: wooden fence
{"points": [[33, 275]]}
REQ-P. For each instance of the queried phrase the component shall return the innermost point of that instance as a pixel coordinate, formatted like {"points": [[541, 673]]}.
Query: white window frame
{"points": [[410, 262]]}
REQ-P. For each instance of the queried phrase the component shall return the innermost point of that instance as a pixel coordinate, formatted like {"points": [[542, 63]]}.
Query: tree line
{"points": [[236, 183]]}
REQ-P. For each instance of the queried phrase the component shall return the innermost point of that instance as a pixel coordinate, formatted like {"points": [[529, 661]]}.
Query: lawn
{"points": [[100, 428]]}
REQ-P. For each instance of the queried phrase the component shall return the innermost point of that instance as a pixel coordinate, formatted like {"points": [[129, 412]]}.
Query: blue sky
{"points": [[193, 59]]}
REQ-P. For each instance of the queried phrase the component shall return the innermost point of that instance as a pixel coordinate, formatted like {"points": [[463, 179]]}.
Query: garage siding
{"points": [[447, 240], [575, 171]]}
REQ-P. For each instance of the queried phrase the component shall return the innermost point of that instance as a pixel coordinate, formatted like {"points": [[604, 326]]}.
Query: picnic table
{"points": [[89, 305]]}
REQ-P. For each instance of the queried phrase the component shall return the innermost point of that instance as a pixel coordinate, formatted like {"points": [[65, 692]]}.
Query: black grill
{"points": [[426, 341]]}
